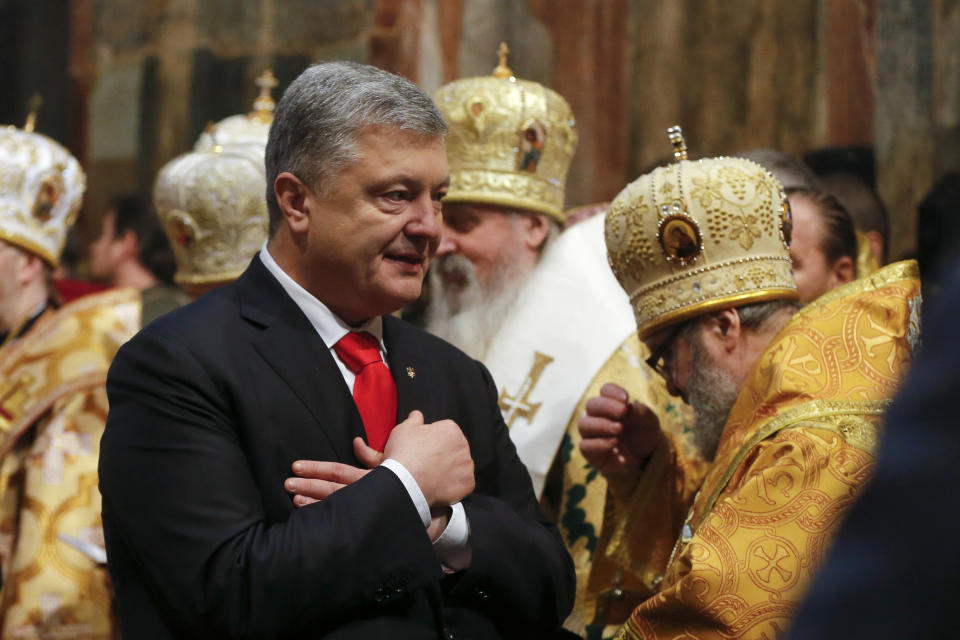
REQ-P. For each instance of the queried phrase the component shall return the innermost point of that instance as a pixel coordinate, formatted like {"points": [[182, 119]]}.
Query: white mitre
{"points": [[211, 200], [41, 188]]}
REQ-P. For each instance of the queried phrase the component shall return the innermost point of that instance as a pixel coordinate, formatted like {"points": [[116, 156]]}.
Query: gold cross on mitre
{"points": [[263, 106], [34, 105], [502, 70]]}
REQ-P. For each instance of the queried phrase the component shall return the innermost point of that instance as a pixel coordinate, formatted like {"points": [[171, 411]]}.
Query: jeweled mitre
{"points": [[41, 188], [211, 200], [510, 142], [698, 236]]}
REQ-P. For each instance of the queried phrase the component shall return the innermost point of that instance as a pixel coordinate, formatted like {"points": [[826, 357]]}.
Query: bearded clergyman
{"points": [[788, 400], [509, 150], [523, 285]]}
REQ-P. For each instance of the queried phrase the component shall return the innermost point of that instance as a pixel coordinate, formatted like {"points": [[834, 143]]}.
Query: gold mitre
{"points": [[510, 142], [41, 187], [694, 237], [211, 200]]}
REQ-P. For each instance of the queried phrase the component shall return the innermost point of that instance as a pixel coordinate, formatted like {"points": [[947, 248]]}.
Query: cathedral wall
{"points": [[129, 84]]}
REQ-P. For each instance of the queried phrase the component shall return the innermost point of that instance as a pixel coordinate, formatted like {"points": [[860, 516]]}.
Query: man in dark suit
{"points": [[212, 404]]}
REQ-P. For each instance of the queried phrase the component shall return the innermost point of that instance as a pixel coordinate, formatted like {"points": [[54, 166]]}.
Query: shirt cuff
{"points": [[413, 489], [453, 545]]}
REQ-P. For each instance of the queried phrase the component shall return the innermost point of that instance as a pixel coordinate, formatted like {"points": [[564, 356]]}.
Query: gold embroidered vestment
{"points": [[53, 407], [796, 451], [587, 516]]}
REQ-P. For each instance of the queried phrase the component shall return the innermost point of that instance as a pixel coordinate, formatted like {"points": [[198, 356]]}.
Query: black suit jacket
{"points": [[211, 404]]}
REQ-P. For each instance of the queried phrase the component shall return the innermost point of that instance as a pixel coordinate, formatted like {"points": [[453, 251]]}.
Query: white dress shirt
{"points": [[453, 545]]}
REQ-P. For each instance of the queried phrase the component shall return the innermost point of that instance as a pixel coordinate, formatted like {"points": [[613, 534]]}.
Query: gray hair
{"points": [[323, 113], [753, 316]]}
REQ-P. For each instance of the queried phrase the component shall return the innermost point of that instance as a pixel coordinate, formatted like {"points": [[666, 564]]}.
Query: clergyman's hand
{"points": [[618, 436]]}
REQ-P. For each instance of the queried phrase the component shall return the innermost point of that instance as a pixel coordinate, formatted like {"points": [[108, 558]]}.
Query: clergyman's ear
{"points": [[536, 227], [724, 327], [29, 267]]}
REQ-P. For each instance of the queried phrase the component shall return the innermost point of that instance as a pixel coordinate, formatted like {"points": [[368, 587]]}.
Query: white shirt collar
{"points": [[330, 327]]}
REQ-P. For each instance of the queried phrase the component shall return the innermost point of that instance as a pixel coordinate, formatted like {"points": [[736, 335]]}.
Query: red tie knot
{"points": [[357, 349]]}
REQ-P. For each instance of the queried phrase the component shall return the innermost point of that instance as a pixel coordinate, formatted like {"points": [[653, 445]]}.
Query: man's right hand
{"points": [[618, 436], [437, 455]]}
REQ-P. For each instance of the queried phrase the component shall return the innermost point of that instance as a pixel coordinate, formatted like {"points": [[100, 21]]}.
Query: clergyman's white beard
{"points": [[712, 393], [469, 316]]}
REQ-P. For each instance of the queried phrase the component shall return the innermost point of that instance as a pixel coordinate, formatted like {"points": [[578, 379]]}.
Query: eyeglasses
{"points": [[658, 357]]}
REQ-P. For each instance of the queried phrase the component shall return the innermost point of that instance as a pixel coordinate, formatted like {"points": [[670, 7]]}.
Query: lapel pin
{"points": [[411, 372]]}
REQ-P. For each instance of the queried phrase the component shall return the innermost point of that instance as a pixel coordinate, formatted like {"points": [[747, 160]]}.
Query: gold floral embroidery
{"points": [[706, 190], [746, 229]]}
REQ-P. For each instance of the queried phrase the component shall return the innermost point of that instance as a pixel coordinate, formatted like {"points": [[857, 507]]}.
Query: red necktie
{"points": [[374, 391]]}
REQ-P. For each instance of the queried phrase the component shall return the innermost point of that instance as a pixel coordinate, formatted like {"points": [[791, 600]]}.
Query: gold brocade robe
{"points": [[795, 453], [584, 497], [53, 407]]}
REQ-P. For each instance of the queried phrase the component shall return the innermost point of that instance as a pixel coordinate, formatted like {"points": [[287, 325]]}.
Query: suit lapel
{"points": [[413, 374], [291, 347]]}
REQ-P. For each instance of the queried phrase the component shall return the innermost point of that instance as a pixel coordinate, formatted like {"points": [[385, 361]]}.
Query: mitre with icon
{"points": [[41, 188], [696, 236], [510, 142]]}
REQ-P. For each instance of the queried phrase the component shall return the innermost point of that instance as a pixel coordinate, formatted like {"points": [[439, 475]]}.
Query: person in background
{"points": [[849, 173], [869, 215], [66, 278], [210, 200], [788, 402], [53, 404], [132, 251], [505, 203], [824, 245], [538, 306]]}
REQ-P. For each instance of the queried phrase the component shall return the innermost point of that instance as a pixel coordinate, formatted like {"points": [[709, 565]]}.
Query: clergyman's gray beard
{"points": [[469, 316], [712, 395]]}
